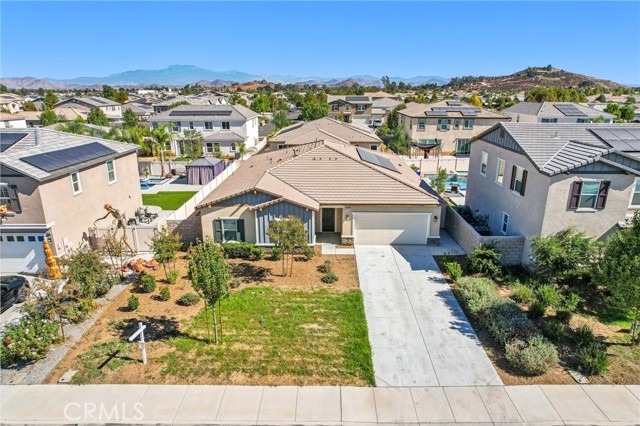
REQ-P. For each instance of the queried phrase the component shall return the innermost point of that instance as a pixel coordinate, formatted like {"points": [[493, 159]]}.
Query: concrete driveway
{"points": [[418, 333]]}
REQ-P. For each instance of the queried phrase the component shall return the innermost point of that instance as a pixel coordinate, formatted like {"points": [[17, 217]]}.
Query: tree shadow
{"points": [[251, 273], [162, 328]]}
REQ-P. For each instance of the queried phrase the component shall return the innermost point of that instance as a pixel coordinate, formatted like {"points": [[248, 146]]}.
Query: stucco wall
{"points": [[238, 211], [29, 198]]}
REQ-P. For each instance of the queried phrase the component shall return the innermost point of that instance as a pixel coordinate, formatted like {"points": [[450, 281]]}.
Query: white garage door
{"points": [[19, 255], [391, 228]]}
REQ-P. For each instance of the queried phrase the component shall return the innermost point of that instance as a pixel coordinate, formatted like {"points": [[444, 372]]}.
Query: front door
{"points": [[328, 220]]}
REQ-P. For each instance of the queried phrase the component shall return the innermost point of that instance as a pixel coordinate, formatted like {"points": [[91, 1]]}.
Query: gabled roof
{"points": [[93, 101], [448, 108], [206, 113], [324, 129], [350, 99], [325, 173], [204, 162], [555, 109]]}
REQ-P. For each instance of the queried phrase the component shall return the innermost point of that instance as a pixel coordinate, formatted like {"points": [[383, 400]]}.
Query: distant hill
{"points": [[528, 79]]}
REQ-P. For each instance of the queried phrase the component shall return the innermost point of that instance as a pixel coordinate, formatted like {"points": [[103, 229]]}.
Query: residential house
{"points": [[141, 110], [537, 178], [446, 127], [56, 184], [381, 94], [32, 118], [336, 189], [224, 127], [555, 112], [10, 102], [12, 121], [113, 110], [210, 99], [351, 109], [324, 129]]}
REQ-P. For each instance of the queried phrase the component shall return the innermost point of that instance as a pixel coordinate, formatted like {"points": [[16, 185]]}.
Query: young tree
{"points": [[165, 246], [281, 120], [161, 137], [312, 111], [98, 117], [243, 150], [287, 234], [209, 275], [76, 126], [619, 271], [392, 121], [130, 118], [50, 99], [236, 99], [29, 106], [139, 136], [48, 117], [400, 143], [193, 141], [440, 181]]}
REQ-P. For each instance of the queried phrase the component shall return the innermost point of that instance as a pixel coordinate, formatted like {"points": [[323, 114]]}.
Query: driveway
{"points": [[418, 333]]}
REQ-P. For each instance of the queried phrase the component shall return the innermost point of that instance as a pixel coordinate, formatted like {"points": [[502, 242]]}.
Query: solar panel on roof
{"points": [[357, 98], [570, 110], [372, 158], [183, 113], [625, 140], [454, 103], [56, 160], [98, 100], [7, 140]]}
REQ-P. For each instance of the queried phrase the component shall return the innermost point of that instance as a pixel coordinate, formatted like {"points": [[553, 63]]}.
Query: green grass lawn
{"points": [[168, 200], [279, 337]]}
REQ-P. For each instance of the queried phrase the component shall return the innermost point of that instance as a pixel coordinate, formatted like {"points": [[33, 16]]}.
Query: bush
{"points": [[309, 252], [534, 357], [172, 276], [564, 316], [505, 321], [454, 270], [277, 253], [537, 309], [147, 283], [521, 293], [583, 336], [593, 359], [257, 253], [242, 251], [554, 329], [78, 311], [188, 299], [133, 303], [28, 339], [165, 293], [86, 273], [477, 294], [329, 277], [565, 255], [486, 260], [548, 295]]}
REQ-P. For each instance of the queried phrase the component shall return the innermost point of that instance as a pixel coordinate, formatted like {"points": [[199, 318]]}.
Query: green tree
{"points": [[475, 100], [130, 118], [165, 246], [393, 119], [630, 100], [50, 99], [613, 108], [627, 113], [243, 150], [288, 234], [160, 139], [261, 103], [209, 275], [399, 142], [602, 98], [48, 117], [619, 270], [280, 119], [29, 106], [313, 111], [3, 88], [440, 181], [121, 96], [75, 126], [108, 92], [434, 97], [563, 256], [139, 136], [193, 141], [236, 99], [98, 117]]}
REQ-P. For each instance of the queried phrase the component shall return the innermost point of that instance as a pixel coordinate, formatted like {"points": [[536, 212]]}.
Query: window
{"points": [[361, 107], [111, 171], [463, 147], [549, 120], [154, 124], [11, 238], [75, 183], [191, 125], [421, 123], [9, 197], [20, 239], [373, 147], [226, 125], [347, 107], [518, 180], [583, 120], [40, 239], [208, 125], [456, 123], [500, 171], [31, 239], [504, 228], [483, 164], [228, 230], [335, 107], [234, 147], [635, 196], [208, 147], [468, 123], [443, 124], [589, 195]]}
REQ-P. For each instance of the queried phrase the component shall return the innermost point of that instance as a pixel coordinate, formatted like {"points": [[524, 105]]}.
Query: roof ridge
{"points": [[281, 163]]}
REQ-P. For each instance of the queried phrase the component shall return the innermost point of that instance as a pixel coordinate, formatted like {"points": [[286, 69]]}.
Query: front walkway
{"points": [[418, 333], [289, 405]]}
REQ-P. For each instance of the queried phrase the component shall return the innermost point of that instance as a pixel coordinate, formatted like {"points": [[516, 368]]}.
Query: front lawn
{"points": [[167, 200]]}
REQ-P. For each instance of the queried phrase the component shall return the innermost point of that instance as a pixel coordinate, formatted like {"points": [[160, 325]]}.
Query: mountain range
{"points": [[180, 75]]}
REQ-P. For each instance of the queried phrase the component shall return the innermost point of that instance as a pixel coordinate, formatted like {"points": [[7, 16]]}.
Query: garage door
{"points": [[391, 228], [19, 255]]}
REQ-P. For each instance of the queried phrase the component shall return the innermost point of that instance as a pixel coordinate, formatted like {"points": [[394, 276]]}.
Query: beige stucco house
{"points": [[537, 179], [337, 190], [113, 110], [56, 185], [555, 112]]}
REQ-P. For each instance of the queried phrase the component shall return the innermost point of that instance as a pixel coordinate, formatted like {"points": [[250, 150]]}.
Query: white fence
{"points": [[139, 236], [430, 165]]}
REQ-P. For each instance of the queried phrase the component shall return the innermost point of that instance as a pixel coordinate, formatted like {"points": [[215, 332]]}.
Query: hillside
{"points": [[528, 79]]}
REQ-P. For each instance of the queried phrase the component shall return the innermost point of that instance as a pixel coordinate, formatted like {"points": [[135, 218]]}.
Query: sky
{"points": [[330, 39]]}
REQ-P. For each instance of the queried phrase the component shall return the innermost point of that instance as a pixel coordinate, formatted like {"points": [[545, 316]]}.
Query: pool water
{"points": [[150, 182], [459, 178]]}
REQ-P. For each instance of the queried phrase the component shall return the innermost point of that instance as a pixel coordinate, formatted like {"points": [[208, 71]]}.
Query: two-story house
{"points": [[55, 186], [224, 127], [162, 105], [537, 179], [351, 109], [112, 110], [12, 121], [446, 127], [555, 112]]}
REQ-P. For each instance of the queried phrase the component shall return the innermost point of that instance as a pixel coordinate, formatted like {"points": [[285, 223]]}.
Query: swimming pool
{"points": [[149, 182], [458, 178]]}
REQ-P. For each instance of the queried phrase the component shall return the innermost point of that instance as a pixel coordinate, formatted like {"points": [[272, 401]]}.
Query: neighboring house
{"points": [[10, 102], [324, 129], [12, 121], [380, 109], [210, 99], [380, 94], [57, 185], [537, 179], [351, 109], [446, 127], [112, 110], [142, 111], [32, 118], [555, 112], [335, 188], [224, 127]]}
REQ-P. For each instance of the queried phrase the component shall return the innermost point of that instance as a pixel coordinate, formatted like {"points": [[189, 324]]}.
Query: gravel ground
{"points": [[35, 373]]}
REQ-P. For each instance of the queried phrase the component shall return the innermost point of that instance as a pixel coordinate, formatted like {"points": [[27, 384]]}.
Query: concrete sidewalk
{"points": [[288, 405]]}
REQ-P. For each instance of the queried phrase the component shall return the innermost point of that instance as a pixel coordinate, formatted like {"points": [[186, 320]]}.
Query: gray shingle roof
{"points": [[94, 101], [550, 110], [202, 113]]}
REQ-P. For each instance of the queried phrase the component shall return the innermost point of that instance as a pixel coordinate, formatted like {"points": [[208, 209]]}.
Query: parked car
{"points": [[14, 289]]}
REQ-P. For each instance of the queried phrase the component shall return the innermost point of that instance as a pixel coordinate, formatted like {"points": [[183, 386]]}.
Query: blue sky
{"points": [[333, 39]]}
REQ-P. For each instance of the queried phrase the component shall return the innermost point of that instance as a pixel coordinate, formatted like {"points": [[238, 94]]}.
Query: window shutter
{"points": [[524, 182], [240, 227], [513, 178], [217, 234], [602, 194], [576, 188], [13, 196]]}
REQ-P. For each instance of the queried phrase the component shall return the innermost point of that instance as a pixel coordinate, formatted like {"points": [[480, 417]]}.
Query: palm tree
{"points": [[76, 127], [400, 143], [139, 136], [160, 137], [243, 150]]}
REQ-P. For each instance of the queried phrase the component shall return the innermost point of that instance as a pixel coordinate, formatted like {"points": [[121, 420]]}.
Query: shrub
{"points": [[565, 255], [277, 253], [554, 329], [593, 359], [329, 277], [78, 311], [172, 276], [147, 283], [86, 273], [235, 283], [486, 260], [477, 294], [534, 357], [242, 251], [537, 309], [257, 253], [521, 293], [454, 270], [505, 321], [326, 268], [548, 295], [309, 252], [28, 339], [188, 299], [165, 293], [583, 336], [133, 303], [564, 316]]}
